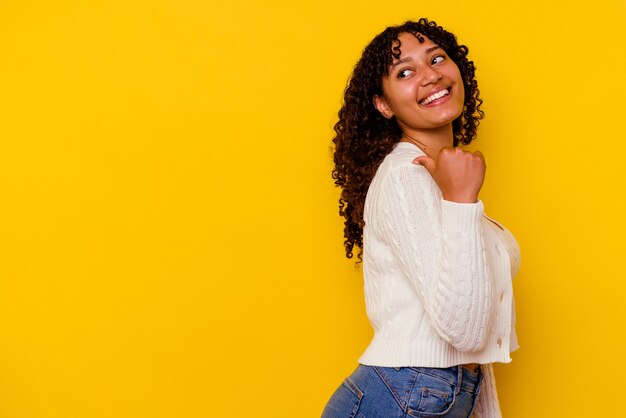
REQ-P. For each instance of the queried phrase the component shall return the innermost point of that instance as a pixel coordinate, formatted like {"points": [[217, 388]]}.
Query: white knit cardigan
{"points": [[437, 277]]}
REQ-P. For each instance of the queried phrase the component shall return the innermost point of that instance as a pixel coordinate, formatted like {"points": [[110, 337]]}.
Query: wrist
{"points": [[459, 198]]}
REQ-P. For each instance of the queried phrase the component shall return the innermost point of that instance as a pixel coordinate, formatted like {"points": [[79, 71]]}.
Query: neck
{"points": [[430, 141]]}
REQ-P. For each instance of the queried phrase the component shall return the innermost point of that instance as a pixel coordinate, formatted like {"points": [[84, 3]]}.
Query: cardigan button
{"points": [[499, 342], [501, 296]]}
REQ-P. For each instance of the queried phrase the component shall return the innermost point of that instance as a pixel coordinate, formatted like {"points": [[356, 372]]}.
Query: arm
{"points": [[439, 246]]}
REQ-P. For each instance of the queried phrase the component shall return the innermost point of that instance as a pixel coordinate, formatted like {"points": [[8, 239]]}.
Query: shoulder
{"points": [[400, 185], [398, 167], [403, 154]]}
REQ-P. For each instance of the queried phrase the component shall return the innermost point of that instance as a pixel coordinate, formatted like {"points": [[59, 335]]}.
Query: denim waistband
{"points": [[468, 380]]}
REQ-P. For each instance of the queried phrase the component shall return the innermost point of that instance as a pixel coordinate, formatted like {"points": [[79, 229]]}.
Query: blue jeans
{"points": [[402, 392]]}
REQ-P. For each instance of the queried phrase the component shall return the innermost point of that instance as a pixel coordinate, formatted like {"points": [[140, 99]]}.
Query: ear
{"points": [[382, 107]]}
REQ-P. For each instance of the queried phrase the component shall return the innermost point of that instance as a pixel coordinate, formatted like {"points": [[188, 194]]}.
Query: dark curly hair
{"points": [[363, 137]]}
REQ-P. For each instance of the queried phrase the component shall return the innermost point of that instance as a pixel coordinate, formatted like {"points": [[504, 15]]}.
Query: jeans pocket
{"points": [[431, 397], [475, 399], [345, 402]]}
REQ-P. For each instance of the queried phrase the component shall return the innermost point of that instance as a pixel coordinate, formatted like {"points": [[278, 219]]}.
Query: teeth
{"points": [[435, 96]]}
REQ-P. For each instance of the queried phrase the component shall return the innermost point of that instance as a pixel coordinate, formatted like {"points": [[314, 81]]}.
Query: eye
{"points": [[438, 59], [404, 73]]}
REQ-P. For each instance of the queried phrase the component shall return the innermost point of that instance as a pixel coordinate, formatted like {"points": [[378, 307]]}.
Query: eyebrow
{"points": [[407, 59]]}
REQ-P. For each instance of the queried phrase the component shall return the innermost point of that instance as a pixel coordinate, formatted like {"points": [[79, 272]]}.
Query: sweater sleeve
{"points": [[487, 403], [439, 246]]}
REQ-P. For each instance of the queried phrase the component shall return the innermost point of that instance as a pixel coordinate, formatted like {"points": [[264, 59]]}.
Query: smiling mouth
{"points": [[433, 97]]}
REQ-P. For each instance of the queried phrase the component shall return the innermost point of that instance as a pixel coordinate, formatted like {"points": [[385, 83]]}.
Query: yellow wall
{"points": [[169, 237]]}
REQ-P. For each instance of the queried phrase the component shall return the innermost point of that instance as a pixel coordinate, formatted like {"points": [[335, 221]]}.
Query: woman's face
{"points": [[424, 89]]}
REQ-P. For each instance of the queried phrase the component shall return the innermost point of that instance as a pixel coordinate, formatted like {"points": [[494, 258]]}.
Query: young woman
{"points": [[437, 272]]}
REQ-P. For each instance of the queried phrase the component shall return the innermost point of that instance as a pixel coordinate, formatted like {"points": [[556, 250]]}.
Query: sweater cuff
{"points": [[461, 217]]}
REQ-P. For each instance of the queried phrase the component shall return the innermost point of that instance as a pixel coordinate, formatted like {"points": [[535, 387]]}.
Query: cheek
{"points": [[406, 94], [459, 102], [461, 93], [460, 88], [399, 97]]}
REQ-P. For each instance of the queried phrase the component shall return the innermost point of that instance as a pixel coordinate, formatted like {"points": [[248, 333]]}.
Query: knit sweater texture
{"points": [[437, 277]]}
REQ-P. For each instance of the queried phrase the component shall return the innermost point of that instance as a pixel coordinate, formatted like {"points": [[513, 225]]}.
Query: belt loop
{"points": [[459, 378]]}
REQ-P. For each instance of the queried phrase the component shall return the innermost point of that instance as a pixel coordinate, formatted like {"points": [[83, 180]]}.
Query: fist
{"points": [[458, 173]]}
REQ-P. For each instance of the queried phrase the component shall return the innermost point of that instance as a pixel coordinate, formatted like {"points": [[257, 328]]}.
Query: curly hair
{"points": [[363, 137]]}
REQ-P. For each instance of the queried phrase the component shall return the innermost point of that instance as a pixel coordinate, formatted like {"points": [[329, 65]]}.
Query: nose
{"points": [[430, 75]]}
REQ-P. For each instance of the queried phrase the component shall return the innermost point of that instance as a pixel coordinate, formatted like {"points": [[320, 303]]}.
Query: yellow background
{"points": [[169, 238]]}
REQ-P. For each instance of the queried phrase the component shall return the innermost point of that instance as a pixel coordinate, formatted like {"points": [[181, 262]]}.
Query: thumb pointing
{"points": [[425, 161]]}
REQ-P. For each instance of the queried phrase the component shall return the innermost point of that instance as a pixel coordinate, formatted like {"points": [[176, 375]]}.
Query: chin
{"points": [[448, 118]]}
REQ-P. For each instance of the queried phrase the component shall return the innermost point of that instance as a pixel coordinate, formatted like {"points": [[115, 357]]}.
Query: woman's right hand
{"points": [[458, 173]]}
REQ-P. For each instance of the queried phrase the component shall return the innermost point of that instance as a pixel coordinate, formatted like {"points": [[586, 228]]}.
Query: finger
{"points": [[480, 156], [446, 150], [425, 161]]}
